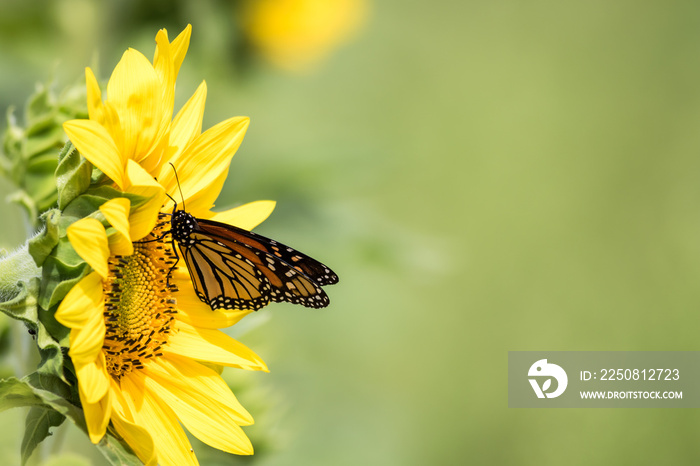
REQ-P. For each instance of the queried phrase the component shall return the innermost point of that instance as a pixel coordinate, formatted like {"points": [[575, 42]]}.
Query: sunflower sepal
{"points": [[60, 266], [117, 452], [73, 175], [60, 272], [108, 192], [51, 337], [41, 245]]}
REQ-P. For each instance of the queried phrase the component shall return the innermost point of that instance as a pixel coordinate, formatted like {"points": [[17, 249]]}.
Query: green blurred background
{"points": [[483, 176]]}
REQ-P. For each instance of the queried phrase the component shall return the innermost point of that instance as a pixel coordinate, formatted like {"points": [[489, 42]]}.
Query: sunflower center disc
{"points": [[139, 306]]}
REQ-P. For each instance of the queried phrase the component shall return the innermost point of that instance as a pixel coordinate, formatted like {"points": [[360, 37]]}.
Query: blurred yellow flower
{"points": [[296, 34], [142, 343]]}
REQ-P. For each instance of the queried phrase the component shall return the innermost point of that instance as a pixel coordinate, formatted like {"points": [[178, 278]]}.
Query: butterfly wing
{"points": [[222, 278], [310, 267], [292, 276]]}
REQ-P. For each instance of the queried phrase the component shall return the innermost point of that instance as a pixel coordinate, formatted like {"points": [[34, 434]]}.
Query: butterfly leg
{"points": [[177, 259], [154, 239]]}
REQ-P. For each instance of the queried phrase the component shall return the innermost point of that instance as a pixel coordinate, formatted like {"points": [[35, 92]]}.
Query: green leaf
{"points": [[37, 427], [56, 394], [73, 175], [15, 393]]}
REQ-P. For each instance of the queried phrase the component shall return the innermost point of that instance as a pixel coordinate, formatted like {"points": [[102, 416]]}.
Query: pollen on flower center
{"points": [[139, 307]]}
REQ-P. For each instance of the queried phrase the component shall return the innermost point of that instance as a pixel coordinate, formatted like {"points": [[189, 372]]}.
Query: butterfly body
{"points": [[232, 268], [182, 225]]}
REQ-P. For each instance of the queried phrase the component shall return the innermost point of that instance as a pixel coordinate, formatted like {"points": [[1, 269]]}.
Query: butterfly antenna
{"points": [[184, 207]]}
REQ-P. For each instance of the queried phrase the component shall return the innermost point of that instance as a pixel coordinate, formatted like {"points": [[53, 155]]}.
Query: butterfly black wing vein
{"points": [[232, 268]]}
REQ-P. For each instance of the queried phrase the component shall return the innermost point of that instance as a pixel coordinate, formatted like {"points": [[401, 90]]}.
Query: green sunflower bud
{"points": [[28, 156]]}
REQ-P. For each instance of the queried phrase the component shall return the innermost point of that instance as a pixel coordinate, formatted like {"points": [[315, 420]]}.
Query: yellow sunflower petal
{"points": [[180, 46], [199, 381], [203, 166], [181, 275], [93, 380], [86, 341], [187, 125], [193, 311], [163, 64], [94, 97], [171, 443], [95, 144], [102, 113], [96, 416], [138, 438], [120, 404], [144, 217], [212, 346], [89, 239], [82, 301], [247, 216], [116, 211], [134, 90], [206, 421], [119, 245]]}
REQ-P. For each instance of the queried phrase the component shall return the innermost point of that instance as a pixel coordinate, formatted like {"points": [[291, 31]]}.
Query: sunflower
{"points": [[145, 349], [297, 34]]}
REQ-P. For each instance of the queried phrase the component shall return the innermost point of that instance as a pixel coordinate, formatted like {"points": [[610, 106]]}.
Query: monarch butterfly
{"points": [[233, 268]]}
